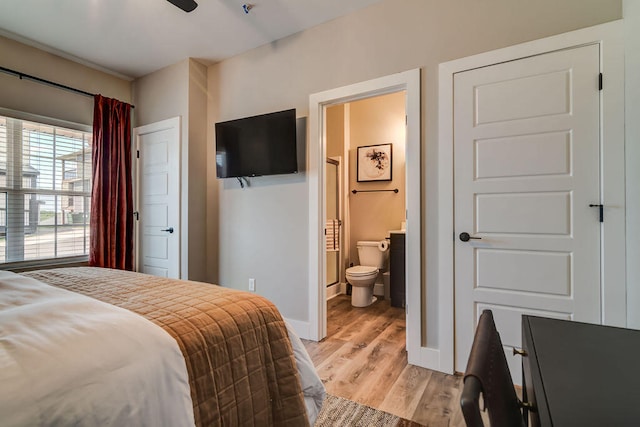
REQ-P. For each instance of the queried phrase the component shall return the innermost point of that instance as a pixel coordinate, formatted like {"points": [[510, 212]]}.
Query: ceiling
{"points": [[135, 37]]}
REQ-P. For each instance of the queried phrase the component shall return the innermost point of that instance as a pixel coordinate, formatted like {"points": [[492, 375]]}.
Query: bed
{"points": [[92, 346]]}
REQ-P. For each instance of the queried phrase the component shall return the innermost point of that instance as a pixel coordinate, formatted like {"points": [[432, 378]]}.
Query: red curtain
{"points": [[111, 222]]}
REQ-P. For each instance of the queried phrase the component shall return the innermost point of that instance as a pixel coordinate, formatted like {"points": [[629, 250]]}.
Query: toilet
{"points": [[372, 255]]}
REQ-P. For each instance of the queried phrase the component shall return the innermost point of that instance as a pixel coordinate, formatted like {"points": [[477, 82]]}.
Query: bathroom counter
{"points": [[397, 231]]}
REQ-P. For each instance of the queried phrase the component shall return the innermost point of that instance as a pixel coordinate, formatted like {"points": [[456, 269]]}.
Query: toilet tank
{"points": [[370, 255]]}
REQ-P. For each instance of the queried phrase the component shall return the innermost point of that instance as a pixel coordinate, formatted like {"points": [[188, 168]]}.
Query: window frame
{"points": [[48, 121]]}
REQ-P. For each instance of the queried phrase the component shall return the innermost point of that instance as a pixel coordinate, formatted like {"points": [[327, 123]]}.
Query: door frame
{"points": [[168, 124], [408, 81], [609, 38]]}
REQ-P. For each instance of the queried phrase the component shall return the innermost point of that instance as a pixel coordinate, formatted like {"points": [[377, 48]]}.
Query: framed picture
{"points": [[374, 163]]}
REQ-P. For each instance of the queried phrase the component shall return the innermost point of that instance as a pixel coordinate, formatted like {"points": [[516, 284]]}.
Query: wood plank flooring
{"points": [[364, 359]]}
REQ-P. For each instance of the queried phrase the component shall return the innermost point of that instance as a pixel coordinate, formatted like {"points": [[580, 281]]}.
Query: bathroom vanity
{"points": [[397, 268]]}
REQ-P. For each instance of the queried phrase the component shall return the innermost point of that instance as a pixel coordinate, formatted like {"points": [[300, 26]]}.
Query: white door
{"points": [[526, 164], [158, 198]]}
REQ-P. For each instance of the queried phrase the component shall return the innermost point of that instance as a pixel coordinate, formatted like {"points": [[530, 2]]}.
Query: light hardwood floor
{"points": [[364, 359]]}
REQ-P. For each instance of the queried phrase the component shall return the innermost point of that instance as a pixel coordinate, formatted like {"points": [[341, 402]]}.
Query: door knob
{"points": [[465, 237], [170, 229]]}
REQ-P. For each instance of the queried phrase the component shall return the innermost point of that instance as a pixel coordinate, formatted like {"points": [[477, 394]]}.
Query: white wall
{"points": [[252, 237], [262, 231], [35, 98], [632, 154], [388, 37], [180, 90]]}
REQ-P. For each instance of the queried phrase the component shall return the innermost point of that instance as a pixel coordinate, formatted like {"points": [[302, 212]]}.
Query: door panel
{"points": [[525, 271], [552, 209], [526, 164], [523, 156], [541, 95]]}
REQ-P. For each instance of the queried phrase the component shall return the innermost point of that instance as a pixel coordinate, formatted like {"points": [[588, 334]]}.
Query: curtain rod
{"points": [[22, 75]]}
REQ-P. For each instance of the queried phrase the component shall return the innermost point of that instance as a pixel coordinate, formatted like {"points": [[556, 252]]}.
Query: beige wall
{"points": [[372, 121], [212, 237], [163, 94], [263, 232], [388, 37], [181, 90], [197, 184], [335, 130], [35, 98]]}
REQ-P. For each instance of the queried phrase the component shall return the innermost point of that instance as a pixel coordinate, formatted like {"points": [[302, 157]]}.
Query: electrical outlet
{"points": [[252, 285]]}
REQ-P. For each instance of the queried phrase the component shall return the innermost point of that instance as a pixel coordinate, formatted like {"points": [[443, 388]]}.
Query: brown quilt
{"points": [[239, 358]]}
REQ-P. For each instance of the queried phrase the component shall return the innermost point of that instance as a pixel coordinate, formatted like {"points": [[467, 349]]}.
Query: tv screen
{"points": [[258, 145]]}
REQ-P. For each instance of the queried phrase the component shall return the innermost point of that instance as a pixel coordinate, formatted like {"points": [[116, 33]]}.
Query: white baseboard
{"points": [[336, 289], [301, 328]]}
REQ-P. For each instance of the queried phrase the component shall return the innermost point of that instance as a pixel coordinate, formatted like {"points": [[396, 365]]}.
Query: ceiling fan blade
{"points": [[186, 5]]}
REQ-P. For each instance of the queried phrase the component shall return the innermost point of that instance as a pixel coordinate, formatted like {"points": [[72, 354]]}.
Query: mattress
{"points": [[241, 366], [67, 359]]}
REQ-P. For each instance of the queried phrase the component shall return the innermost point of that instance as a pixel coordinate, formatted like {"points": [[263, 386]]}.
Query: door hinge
{"points": [[601, 210], [137, 154], [600, 81], [136, 214]]}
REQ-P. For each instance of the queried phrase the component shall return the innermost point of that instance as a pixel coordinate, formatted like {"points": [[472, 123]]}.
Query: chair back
{"points": [[488, 373]]}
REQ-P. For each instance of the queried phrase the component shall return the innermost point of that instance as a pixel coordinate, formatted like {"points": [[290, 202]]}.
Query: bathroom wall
{"points": [[335, 130], [372, 121]]}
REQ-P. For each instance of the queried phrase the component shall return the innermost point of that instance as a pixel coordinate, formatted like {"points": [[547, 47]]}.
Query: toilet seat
{"points": [[361, 270]]}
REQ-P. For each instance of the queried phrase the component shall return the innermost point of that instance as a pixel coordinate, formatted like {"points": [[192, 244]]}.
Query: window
{"points": [[45, 189]]}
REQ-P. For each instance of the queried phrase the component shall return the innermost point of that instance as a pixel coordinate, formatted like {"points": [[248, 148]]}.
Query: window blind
{"points": [[45, 190]]}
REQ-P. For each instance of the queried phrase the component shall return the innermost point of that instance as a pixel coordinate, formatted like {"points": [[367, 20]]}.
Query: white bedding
{"points": [[67, 359], [312, 386]]}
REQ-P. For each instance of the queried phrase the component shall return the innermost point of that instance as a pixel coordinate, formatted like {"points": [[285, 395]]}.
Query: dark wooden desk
{"points": [[579, 374]]}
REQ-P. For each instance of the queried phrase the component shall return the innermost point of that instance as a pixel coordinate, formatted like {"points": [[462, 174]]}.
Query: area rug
{"points": [[337, 411]]}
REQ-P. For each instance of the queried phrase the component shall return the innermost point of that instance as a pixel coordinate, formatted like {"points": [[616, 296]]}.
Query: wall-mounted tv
{"points": [[257, 145]]}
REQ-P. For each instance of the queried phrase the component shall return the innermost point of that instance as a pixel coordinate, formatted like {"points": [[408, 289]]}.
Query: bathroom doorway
{"points": [[371, 207], [319, 103]]}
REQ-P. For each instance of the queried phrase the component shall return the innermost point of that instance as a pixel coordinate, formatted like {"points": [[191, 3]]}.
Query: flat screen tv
{"points": [[257, 145]]}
